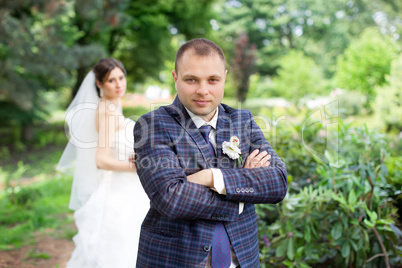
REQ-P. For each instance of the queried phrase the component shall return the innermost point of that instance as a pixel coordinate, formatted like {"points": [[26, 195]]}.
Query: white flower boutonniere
{"points": [[231, 149]]}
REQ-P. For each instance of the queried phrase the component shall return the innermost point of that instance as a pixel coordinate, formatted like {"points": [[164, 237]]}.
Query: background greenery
{"points": [[323, 79]]}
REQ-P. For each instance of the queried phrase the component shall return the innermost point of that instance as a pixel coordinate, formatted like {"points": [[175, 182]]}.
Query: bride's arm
{"points": [[107, 122]]}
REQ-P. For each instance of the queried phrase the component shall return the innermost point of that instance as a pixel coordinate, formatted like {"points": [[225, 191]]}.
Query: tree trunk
{"points": [[81, 73], [27, 130], [243, 90]]}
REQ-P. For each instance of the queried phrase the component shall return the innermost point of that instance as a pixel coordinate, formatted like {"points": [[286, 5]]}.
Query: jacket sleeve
{"points": [[164, 180], [257, 185]]}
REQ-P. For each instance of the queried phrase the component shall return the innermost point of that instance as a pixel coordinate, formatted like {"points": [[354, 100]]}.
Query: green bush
{"points": [[388, 104], [290, 141], [298, 77], [261, 87], [12, 115], [24, 196], [351, 103], [135, 112], [346, 217], [365, 63]]}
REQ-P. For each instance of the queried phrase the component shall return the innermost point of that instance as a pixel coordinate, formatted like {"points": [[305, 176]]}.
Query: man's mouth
{"points": [[201, 102]]}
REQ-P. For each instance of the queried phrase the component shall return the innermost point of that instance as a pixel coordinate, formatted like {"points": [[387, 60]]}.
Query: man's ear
{"points": [[175, 79], [174, 76]]}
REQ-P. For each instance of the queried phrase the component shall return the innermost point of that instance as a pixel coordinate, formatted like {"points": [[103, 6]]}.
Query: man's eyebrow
{"points": [[186, 76], [216, 75]]}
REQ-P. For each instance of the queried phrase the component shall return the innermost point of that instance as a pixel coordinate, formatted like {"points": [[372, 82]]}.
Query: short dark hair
{"points": [[200, 47], [103, 68]]}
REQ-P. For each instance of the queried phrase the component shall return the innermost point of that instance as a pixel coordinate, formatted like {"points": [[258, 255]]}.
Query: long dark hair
{"points": [[103, 68]]}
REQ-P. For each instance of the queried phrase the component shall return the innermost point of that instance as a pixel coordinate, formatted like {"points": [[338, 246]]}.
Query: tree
{"points": [[139, 33], [101, 26], [388, 103], [153, 30], [243, 65], [366, 63], [34, 56], [277, 27], [298, 76], [47, 45], [321, 29]]}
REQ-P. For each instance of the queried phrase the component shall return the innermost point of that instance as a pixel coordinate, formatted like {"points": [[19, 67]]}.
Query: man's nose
{"points": [[202, 89]]}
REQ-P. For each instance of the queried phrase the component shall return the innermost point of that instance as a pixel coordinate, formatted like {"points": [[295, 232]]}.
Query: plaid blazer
{"points": [[179, 227]]}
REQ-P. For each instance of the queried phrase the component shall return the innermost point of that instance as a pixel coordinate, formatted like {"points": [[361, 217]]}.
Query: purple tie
{"points": [[220, 255]]}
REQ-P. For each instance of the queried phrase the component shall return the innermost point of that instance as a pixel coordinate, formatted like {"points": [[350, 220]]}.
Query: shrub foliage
{"points": [[341, 215]]}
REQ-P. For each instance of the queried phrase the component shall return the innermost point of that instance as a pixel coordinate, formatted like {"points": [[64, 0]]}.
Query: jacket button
{"points": [[247, 190], [251, 190], [207, 248], [237, 190], [242, 190]]}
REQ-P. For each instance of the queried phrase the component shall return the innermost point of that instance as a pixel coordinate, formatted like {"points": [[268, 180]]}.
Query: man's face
{"points": [[200, 83]]}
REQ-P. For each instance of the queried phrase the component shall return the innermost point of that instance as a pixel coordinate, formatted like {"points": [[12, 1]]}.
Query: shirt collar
{"points": [[199, 122]]}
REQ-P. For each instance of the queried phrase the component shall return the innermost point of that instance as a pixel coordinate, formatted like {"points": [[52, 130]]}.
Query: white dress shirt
{"points": [[219, 182]]}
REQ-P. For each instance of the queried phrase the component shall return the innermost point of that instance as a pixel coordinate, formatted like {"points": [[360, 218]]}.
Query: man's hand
{"points": [[257, 159], [254, 160]]}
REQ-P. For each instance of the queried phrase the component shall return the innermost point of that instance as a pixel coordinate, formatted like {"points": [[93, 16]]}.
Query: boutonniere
{"points": [[231, 149]]}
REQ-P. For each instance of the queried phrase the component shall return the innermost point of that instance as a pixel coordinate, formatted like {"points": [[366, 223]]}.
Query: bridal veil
{"points": [[78, 158]]}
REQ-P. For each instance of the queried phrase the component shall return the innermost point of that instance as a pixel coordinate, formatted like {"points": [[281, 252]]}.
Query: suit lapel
{"points": [[180, 114], [224, 132]]}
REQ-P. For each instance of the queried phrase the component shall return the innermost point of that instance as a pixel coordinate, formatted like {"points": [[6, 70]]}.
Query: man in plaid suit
{"points": [[195, 181]]}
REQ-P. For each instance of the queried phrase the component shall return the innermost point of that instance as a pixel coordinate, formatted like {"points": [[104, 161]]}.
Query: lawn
{"points": [[34, 197]]}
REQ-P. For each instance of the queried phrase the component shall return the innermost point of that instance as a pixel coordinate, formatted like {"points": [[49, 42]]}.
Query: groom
{"points": [[203, 165]]}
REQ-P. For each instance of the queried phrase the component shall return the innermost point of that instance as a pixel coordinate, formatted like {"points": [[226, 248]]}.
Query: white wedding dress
{"points": [[109, 222]]}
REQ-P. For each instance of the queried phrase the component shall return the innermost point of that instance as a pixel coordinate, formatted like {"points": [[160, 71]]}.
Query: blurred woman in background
{"points": [[109, 201]]}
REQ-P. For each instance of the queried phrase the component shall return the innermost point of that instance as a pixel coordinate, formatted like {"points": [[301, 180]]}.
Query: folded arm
{"points": [[165, 181], [260, 184], [263, 178], [207, 177]]}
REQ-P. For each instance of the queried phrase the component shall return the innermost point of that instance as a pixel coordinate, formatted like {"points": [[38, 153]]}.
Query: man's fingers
{"points": [[265, 161], [267, 164], [253, 154], [255, 162], [258, 159], [260, 156], [251, 157], [262, 160]]}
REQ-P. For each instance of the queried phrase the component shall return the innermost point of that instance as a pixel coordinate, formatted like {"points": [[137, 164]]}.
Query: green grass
{"points": [[18, 222], [35, 198], [38, 162], [42, 255]]}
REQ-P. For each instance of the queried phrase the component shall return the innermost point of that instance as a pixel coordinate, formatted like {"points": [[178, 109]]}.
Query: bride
{"points": [[109, 201]]}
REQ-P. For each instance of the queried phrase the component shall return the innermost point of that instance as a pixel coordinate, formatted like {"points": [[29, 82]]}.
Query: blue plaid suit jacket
{"points": [[179, 227]]}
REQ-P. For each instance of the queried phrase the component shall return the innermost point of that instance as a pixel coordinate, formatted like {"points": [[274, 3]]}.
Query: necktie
{"points": [[220, 255]]}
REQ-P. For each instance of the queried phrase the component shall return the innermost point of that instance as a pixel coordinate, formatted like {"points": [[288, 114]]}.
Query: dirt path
{"points": [[49, 251]]}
